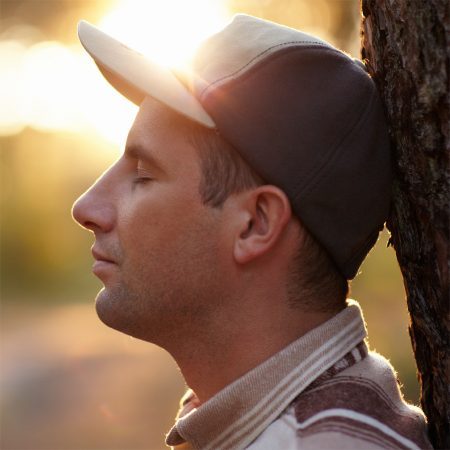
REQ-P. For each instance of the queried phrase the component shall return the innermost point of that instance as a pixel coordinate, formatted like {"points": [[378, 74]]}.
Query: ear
{"points": [[264, 215]]}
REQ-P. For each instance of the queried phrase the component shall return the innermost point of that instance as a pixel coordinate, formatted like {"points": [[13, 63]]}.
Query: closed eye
{"points": [[142, 176]]}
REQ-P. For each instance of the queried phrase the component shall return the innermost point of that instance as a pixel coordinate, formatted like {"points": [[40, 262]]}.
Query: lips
{"points": [[100, 257], [103, 264]]}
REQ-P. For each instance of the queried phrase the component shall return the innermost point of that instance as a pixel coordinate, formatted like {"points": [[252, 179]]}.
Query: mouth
{"points": [[100, 257], [102, 264]]}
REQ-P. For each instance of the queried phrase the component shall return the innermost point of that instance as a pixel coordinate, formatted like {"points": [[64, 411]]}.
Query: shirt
{"points": [[323, 391]]}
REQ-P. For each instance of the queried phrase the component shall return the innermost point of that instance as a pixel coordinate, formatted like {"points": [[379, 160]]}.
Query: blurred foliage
{"points": [[68, 381], [44, 255]]}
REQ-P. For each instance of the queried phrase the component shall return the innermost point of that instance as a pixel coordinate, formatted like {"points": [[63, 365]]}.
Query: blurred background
{"points": [[67, 381]]}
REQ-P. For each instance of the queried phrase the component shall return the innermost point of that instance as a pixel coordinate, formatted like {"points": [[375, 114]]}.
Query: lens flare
{"points": [[166, 31], [54, 87]]}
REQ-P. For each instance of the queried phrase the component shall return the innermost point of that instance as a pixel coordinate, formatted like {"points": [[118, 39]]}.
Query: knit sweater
{"points": [[323, 391]]}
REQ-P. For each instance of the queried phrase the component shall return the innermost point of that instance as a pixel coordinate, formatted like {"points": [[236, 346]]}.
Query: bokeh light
{"points": [[50, 86]]}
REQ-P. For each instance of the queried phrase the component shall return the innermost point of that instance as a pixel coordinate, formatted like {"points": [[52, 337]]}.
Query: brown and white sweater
{"points": [[323, 391]]}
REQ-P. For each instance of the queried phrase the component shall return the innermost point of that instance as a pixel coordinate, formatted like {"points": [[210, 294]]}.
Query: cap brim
{"points": [[136, 76]]}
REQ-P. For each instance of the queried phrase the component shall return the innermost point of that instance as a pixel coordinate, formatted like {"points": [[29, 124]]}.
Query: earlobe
{"points": [[267, 213]]}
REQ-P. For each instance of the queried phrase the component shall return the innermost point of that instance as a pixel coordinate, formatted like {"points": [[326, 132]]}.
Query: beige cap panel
{"points": [[138, 70], [241, 45]]}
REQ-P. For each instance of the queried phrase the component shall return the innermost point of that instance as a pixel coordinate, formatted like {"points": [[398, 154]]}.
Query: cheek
{"points": [[152, 220]]}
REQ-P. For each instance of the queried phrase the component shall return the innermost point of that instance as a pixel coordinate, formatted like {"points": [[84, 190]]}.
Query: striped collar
{"points": [[236, 415]]}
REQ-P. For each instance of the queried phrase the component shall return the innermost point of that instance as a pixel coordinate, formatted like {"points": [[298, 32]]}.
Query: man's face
{"points": [[156, 244]]}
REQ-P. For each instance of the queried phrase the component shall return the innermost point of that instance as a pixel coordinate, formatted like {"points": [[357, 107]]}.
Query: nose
{"points": [[94, 210]]}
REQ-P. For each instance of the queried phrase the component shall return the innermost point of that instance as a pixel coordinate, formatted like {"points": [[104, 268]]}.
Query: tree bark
{"points": [[406, 45]]}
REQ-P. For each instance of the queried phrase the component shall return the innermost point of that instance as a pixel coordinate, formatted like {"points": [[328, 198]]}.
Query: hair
{"points": [[314, 282]]}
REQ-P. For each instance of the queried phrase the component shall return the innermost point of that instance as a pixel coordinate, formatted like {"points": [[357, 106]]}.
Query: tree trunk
{"points": [[406, 45]]}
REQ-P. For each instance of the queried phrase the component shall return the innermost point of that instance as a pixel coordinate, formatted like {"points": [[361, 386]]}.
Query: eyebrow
{"points": [[138, 151]]}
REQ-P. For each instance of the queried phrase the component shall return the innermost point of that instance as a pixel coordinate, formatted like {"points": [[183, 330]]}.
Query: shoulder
{"points": [[359, 408], [362, 403]]}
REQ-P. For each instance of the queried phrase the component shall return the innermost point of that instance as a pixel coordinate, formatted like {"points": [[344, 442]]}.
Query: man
{"points": [[251, 188]]}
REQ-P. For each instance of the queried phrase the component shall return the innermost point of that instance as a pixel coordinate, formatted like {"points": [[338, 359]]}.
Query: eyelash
{"points": [[142, 178]]}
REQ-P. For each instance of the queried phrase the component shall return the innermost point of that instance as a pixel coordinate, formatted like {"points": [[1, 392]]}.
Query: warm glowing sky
{"points": [[49, 86]]}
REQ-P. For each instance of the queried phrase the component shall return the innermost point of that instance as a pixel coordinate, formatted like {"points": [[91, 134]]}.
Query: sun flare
{"points": [[167, 31], [49, 86]]}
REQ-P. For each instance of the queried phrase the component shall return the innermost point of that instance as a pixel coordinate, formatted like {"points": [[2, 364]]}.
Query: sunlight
{"points": [[49, 86], [52, 87], [166, 31], [47, 72], [14, 105]]}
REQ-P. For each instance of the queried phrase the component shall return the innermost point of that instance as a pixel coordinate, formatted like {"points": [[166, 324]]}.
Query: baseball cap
{"points": [[303, 114]]}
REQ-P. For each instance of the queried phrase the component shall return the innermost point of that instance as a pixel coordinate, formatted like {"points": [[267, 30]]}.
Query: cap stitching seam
{"points": [[315, 179], [259, 55], [310, 184]]}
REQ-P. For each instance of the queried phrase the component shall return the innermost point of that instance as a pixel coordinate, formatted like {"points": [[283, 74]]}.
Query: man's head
{"points": [[174, 244], [290, 179], [306, 117]]}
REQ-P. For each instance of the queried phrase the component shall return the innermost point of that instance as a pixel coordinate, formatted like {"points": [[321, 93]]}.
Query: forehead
{"points": [[162, 134]]}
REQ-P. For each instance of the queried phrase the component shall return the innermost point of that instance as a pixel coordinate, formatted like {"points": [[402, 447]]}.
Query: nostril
{"points": [[92, 226]]}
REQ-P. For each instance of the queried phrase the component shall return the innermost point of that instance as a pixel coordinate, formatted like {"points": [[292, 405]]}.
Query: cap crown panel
{"points": [[242, 44]]}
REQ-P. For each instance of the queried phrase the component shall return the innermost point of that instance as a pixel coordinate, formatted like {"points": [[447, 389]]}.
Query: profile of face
{"points": [[157, 247]]}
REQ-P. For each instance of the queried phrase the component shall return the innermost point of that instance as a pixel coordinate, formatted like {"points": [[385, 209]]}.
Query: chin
{"points": [[106, 308], [113, 310], [119, 309]]}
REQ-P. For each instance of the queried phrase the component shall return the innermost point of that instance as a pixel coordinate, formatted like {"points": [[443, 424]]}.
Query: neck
{"points": [[213, 356]]}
